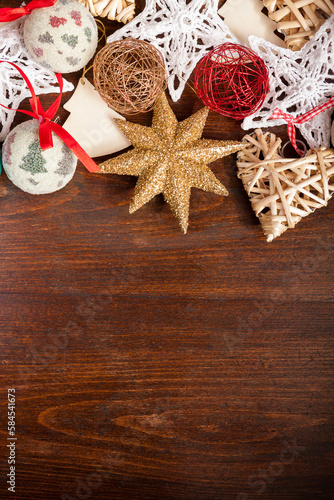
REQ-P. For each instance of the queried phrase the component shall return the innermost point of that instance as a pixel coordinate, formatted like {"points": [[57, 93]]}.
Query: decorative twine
{"points": [[283, 190], [101, 27], [115, 10], [130, 75], [298, 20], [232, 80]]}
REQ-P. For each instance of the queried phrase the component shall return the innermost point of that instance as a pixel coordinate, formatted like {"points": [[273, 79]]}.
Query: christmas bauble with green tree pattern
{"points": [[62, 38], [31, 169]]}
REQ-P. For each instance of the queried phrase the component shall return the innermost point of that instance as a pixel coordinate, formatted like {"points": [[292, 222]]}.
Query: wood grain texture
{"points": [[151, 365]]}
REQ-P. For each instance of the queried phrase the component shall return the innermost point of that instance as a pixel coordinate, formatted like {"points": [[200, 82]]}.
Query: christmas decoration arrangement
{"points": [[130, 75], [14, 90], [272, 82], [299, 81], [232, 80], [298, 20], [170, 158], [282, 191], [91, 122], [39, 156], [115, 10], [246, 18], [182, 32]]}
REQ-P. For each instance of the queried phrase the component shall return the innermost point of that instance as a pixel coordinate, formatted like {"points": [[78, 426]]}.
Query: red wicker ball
{"points": [[232, 80]]}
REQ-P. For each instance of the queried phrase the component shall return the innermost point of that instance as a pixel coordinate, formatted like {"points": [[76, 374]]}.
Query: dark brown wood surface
{"points": [[153, 365]]}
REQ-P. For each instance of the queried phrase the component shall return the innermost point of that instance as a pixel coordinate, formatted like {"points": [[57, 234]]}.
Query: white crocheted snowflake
{"points": [[182, 32], [299, 81], [13, 88]]}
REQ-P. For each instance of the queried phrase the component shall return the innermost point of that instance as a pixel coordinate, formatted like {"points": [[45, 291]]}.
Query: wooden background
{"points": [[154, 365]]}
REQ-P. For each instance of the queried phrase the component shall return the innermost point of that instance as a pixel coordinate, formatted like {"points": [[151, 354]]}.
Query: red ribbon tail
{"points": [[8, 14], [75, 148], [292, 137], [277, 114]]}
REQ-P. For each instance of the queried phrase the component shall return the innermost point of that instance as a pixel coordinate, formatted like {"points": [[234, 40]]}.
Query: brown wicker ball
{"points": [[130, 75]]}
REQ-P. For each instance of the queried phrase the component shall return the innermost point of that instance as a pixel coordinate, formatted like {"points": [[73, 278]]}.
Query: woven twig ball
{"points": [[130, 75], [232, 80]]}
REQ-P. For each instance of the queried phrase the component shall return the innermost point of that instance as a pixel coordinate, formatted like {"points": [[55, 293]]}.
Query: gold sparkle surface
{"points": [[170, 158]]}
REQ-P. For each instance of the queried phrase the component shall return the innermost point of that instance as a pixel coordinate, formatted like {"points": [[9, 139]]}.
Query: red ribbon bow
{"points": [[291, 120], [47, 126], [8, 14]]}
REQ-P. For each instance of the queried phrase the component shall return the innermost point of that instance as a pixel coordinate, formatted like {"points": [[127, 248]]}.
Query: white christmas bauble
{"points": [[31, 169], [62, 38]]}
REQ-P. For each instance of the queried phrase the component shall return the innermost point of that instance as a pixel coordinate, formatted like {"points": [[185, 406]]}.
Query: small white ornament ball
{"points": [[31, 169], [62, 38]]}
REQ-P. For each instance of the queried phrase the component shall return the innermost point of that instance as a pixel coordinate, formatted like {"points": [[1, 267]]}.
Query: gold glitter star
{"points": [[170, 158]]}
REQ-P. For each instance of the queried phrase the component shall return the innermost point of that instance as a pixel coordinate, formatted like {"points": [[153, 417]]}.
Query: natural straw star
{"points": [[170, 158]]}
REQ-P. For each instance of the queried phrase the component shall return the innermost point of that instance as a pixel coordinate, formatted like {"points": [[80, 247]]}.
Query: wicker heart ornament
{"points": [[298, 20], [283, 190], [122, 11]]}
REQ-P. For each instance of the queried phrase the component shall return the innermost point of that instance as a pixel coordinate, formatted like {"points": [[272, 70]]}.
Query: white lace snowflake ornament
{"points": [[13, 89], [182, 32], [299, 81]]}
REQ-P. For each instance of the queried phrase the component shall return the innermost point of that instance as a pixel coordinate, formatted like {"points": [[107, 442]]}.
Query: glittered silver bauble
{"points": [[31, 169], [62, 38]]}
